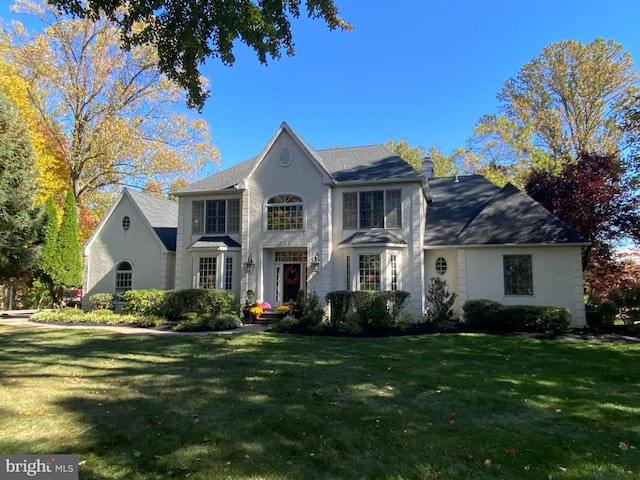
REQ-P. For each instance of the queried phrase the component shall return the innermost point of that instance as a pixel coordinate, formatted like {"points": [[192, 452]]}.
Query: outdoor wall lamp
{"points": [[249, 265], [315, 264]]}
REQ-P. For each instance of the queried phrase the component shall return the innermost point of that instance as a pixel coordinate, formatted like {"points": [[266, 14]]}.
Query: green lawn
{"points": [[263, 405]]}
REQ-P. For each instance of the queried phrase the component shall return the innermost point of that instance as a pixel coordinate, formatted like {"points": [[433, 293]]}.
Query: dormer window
{"points": [[285, 212]]}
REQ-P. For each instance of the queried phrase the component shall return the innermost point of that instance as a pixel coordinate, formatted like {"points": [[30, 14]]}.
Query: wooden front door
{"points": [[290, 281]]}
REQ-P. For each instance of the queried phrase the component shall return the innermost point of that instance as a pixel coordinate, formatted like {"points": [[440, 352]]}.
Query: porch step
{"points": [[266, 318]]}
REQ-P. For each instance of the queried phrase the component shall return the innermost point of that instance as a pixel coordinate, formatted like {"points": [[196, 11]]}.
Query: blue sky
{"points": [[419, 70]]}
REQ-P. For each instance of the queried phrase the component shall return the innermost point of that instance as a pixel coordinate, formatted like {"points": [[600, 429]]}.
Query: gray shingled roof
{"points": [[470, 210], [373, 163], [223, 180], [162, 215], [373, 236], [214, 242]]}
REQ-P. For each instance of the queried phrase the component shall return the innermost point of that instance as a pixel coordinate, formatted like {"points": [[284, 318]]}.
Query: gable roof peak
{"points": [[301, 143]]}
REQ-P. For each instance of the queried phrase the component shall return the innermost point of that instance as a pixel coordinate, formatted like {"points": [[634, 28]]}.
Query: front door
{"points": [[290, 281]]}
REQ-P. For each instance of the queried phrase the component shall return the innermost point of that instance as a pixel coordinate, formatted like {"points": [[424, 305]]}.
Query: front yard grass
{"points": [[269, 406]]}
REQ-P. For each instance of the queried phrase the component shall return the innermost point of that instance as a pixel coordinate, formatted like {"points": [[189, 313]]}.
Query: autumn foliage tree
{"points": [[185, 34], [51, 171], [114, 116], [443, 165], [572, 98], [592, 196]]}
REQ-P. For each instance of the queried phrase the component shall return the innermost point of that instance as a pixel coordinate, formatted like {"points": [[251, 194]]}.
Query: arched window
{"points": [[124, 278], [126, 223], [285, 212]]}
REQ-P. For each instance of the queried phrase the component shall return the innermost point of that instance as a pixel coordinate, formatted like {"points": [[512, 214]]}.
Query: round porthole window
{"points": [[441, 266], [285, 157], [126, 223]]}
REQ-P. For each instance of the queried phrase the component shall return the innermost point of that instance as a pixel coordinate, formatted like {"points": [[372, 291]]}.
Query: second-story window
{"points": [[215, 216], [373, 209], [285, 212]]}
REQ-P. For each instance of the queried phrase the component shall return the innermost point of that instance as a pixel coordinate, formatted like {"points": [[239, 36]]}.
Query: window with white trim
{"points": [[228, 273], [348, 273], [441, 266], [369, 272], [124, 278], [207, 270], [285, 212], [372, 209], [518, 274], [215, 216], [393, 263]]}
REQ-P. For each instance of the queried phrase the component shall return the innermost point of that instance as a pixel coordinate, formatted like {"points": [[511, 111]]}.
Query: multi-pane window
{"points": [[369, 272], [518, 275], [291, 256], [393, 209], [375, 209], [285, 212], [371, 209], [441, 265], [350, 210], [215, 216], [393, 261], [348, 273], [233, 215], [207, 272], [228, 273], [197, 217], [124, 278]]}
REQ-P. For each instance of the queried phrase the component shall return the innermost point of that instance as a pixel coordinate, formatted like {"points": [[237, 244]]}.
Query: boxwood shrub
{"points": [[173, 304], [482, 314], [340, 302], [143, 302], [101, 301], [488, 315], [368, 309]]}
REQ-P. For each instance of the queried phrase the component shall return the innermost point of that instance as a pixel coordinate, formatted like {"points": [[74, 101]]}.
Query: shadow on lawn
{"points": [[301, 407]]}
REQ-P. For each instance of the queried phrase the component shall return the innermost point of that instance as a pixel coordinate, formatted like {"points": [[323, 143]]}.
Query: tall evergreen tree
{"points": [[19, 221], [70, 273], [50, 263]]}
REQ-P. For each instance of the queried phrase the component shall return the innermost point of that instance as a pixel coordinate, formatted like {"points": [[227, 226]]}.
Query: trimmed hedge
{"points": [[172, 304], [371, 310], [488, 315], [143, 302], [340, 302], [100, 301], [199, 300]]}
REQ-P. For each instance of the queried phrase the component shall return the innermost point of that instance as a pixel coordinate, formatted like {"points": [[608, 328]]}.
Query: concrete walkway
{"points": [[20, 318]]}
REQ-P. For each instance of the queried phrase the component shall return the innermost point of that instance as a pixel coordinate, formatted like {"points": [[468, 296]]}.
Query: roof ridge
{"points": [[354, 147]]}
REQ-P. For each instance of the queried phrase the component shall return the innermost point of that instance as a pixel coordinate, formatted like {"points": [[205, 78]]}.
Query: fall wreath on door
{"points": [[291, 275]]}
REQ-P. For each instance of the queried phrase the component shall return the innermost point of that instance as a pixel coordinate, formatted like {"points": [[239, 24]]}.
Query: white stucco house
{"points": [[134, 246], [294, 218]]}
